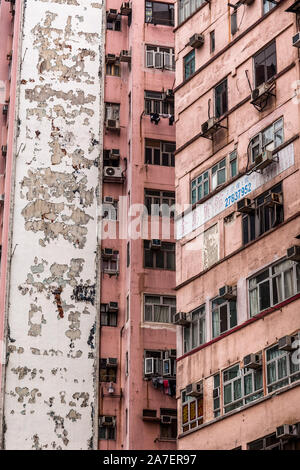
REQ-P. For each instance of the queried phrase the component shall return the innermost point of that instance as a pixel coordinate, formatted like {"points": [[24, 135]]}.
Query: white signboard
{"points": [[241, 188]]}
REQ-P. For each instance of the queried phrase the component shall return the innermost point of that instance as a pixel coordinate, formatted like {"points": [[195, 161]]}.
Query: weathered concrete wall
{"points": [[51, 375]]}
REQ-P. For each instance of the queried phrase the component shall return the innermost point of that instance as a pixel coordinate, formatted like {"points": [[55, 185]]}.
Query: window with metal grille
{"points": [[159, 308], [159, 258], [107, 373], [156, 103], [191, 412]]}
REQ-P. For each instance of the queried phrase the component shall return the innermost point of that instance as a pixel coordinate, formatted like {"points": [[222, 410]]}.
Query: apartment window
{"points": [[107, 317], [107, 431], [159, 258], [159, 153], [113, 69], [159, 203], [218, 174], [126, 364], [264, 216], [273, 285], [156, 103], [159, 308], [221, 99], [114, 25], [159, 13], [189, 64], [192, 412], [108, 160], [224, 315], [153, 363], [233, 164], [111, 265], [271, 442], [127, 308], [187, 7], [268, 139], [107, 373], [268, 5], [168, 430], [217, 396], [194, 334], [281, 369], [112, 111], [241, 386], [212, 41], [159, 57], [265, 64], [110, 210], [200, 187]]}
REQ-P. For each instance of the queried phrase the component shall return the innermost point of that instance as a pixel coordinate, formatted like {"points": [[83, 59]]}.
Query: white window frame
{"points": [[217, 309], [157, 57], [195, 325], [286, 380], [160, 303], [257, 146]]}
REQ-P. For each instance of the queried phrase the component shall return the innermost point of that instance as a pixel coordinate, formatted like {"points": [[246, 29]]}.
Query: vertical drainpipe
{"points": [[99, 227], [11, 138]]}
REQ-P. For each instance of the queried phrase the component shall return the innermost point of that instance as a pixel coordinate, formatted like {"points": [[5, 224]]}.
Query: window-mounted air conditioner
{"points": [[110, 58], [107, 421], [286, 343], [166, 419], [196, 41], [150, 415], [107, 253], [182, 318], [125, 56], [209, 127], [296, 40], [194, 390], [155, 244], [263, 160], [113, 306], [112, 124], [108, 200], [287, 431], [273, 199], [228, 292], [126, 8], [253, 361], [112, 14], [113, 172], [260, 91], [4, 150], [5, 109], [111, 362], [293, 253], [245, 206]]}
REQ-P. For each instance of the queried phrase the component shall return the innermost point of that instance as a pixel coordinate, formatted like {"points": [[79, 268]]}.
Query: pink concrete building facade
{"points": [[238, 249], [137, 406]]}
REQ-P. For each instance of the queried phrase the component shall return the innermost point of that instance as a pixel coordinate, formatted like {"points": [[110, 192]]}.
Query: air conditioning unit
{"points": [[263, 160], [209, 127], [293, 253], [107, 253], [107, 421], [150, 415], [296, 40], [126, 8], [228, 292], [111, 362], [196, 41], [259, 92], [245, 206], [182, 318], [273, 199], [113, 172], [1, 199], [111, 14], [108, 200], [114, 154], [253, 361], [4, 150], [155, 244], [194, 390], [287, 431], [166, 419], [286, 343], [112, 124], [125, 56], [113, 306], [110, 58], [5, 109]]}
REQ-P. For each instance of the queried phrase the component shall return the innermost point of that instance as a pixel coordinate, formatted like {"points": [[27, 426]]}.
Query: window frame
{"points": [[150, 13], [290, 374], [113, 70], [188, 8], [115, 111], [161, 145], [157, 104], [257, 82], [162, 297], [164, 251], [198, 324], [223, 95], [155, 202], [111, 317], [257, 141], [107, 429], [189, 64], [161, 53], [188, 403], [217, 308]]}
